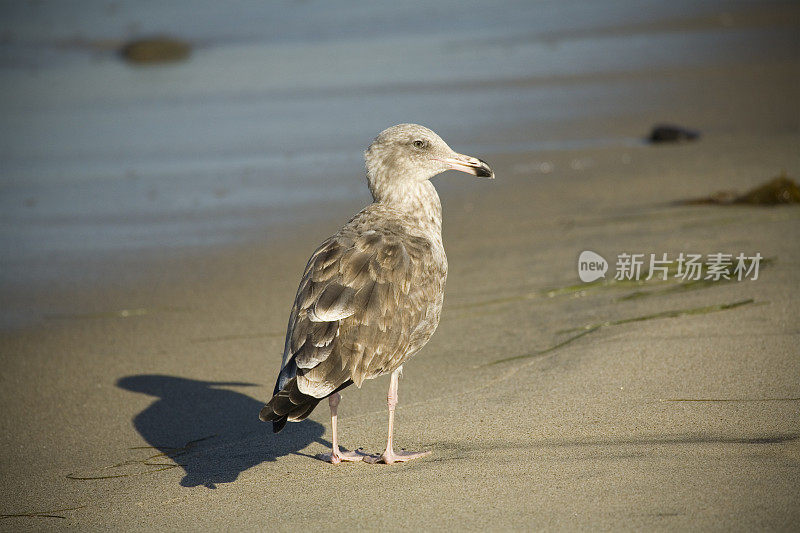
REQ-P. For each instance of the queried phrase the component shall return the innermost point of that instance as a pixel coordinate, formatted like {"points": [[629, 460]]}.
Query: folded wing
{"points": [[359, 309]]}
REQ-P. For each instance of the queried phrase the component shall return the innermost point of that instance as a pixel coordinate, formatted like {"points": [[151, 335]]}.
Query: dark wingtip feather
{"points": [[265, 415], [268, 415], [277, 425], [289, 402]]}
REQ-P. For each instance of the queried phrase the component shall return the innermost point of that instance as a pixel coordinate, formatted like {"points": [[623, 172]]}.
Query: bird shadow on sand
{"points": [[214, 434]]}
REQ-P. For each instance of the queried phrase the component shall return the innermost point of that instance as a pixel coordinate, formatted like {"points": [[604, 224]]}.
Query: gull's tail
{"points": [[288, 404]]}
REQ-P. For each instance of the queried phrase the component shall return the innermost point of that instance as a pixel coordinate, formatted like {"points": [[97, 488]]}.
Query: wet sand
{"points": [[133, 404]]}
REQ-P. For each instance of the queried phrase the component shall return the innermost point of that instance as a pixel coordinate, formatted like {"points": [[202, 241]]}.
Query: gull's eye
{"points": [[419, 143]]}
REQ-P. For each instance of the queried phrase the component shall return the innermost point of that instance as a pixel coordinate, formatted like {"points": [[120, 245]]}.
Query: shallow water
{"points": [[267, 120]]}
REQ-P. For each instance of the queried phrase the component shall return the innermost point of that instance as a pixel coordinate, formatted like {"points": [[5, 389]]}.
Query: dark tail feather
{"points": [[277, 425], [288, 404]]}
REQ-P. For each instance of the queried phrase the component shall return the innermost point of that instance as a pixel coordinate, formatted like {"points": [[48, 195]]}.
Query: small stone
{"points": [[669, 133], [155, 50]]}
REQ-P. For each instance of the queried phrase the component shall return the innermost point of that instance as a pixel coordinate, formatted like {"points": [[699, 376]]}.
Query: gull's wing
{"points": [[368, 299]]}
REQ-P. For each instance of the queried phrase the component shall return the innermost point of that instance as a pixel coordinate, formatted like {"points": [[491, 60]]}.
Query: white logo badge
{"points": [[591, 266]]}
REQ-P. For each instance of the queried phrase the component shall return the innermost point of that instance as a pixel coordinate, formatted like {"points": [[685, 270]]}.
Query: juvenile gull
{"points": [[371, 294]]}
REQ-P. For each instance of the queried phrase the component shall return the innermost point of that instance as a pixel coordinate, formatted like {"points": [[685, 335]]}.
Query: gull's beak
{"points": [[470, 165]]}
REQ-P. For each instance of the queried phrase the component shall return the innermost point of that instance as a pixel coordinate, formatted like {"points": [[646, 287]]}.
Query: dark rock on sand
{"points": [[669, 133]]}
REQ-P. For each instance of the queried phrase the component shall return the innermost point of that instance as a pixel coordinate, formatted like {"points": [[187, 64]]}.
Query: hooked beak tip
{"points": [[470, 165], [485, 171]]}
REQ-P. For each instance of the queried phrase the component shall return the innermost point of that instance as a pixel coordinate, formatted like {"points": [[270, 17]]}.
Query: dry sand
{"points": [[686, 422]]}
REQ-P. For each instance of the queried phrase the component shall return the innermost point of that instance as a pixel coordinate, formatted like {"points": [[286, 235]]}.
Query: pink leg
{"points": [[337, 456], [390, 456]]}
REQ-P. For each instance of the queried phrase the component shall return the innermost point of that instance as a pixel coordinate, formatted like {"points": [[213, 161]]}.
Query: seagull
{"points": [[371, 295]]}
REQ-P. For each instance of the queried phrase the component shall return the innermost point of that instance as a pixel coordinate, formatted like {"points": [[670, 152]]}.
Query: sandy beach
{"points": [[131, 392]]}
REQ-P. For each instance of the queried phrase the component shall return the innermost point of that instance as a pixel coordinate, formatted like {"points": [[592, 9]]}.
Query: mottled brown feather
{"points": [[364, 296]]}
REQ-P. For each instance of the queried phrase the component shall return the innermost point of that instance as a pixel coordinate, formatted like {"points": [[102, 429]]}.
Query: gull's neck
{"points": [[415, 198]]}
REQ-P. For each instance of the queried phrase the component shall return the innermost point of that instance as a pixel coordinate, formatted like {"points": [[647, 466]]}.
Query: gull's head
{"points": [[410, 152]]}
